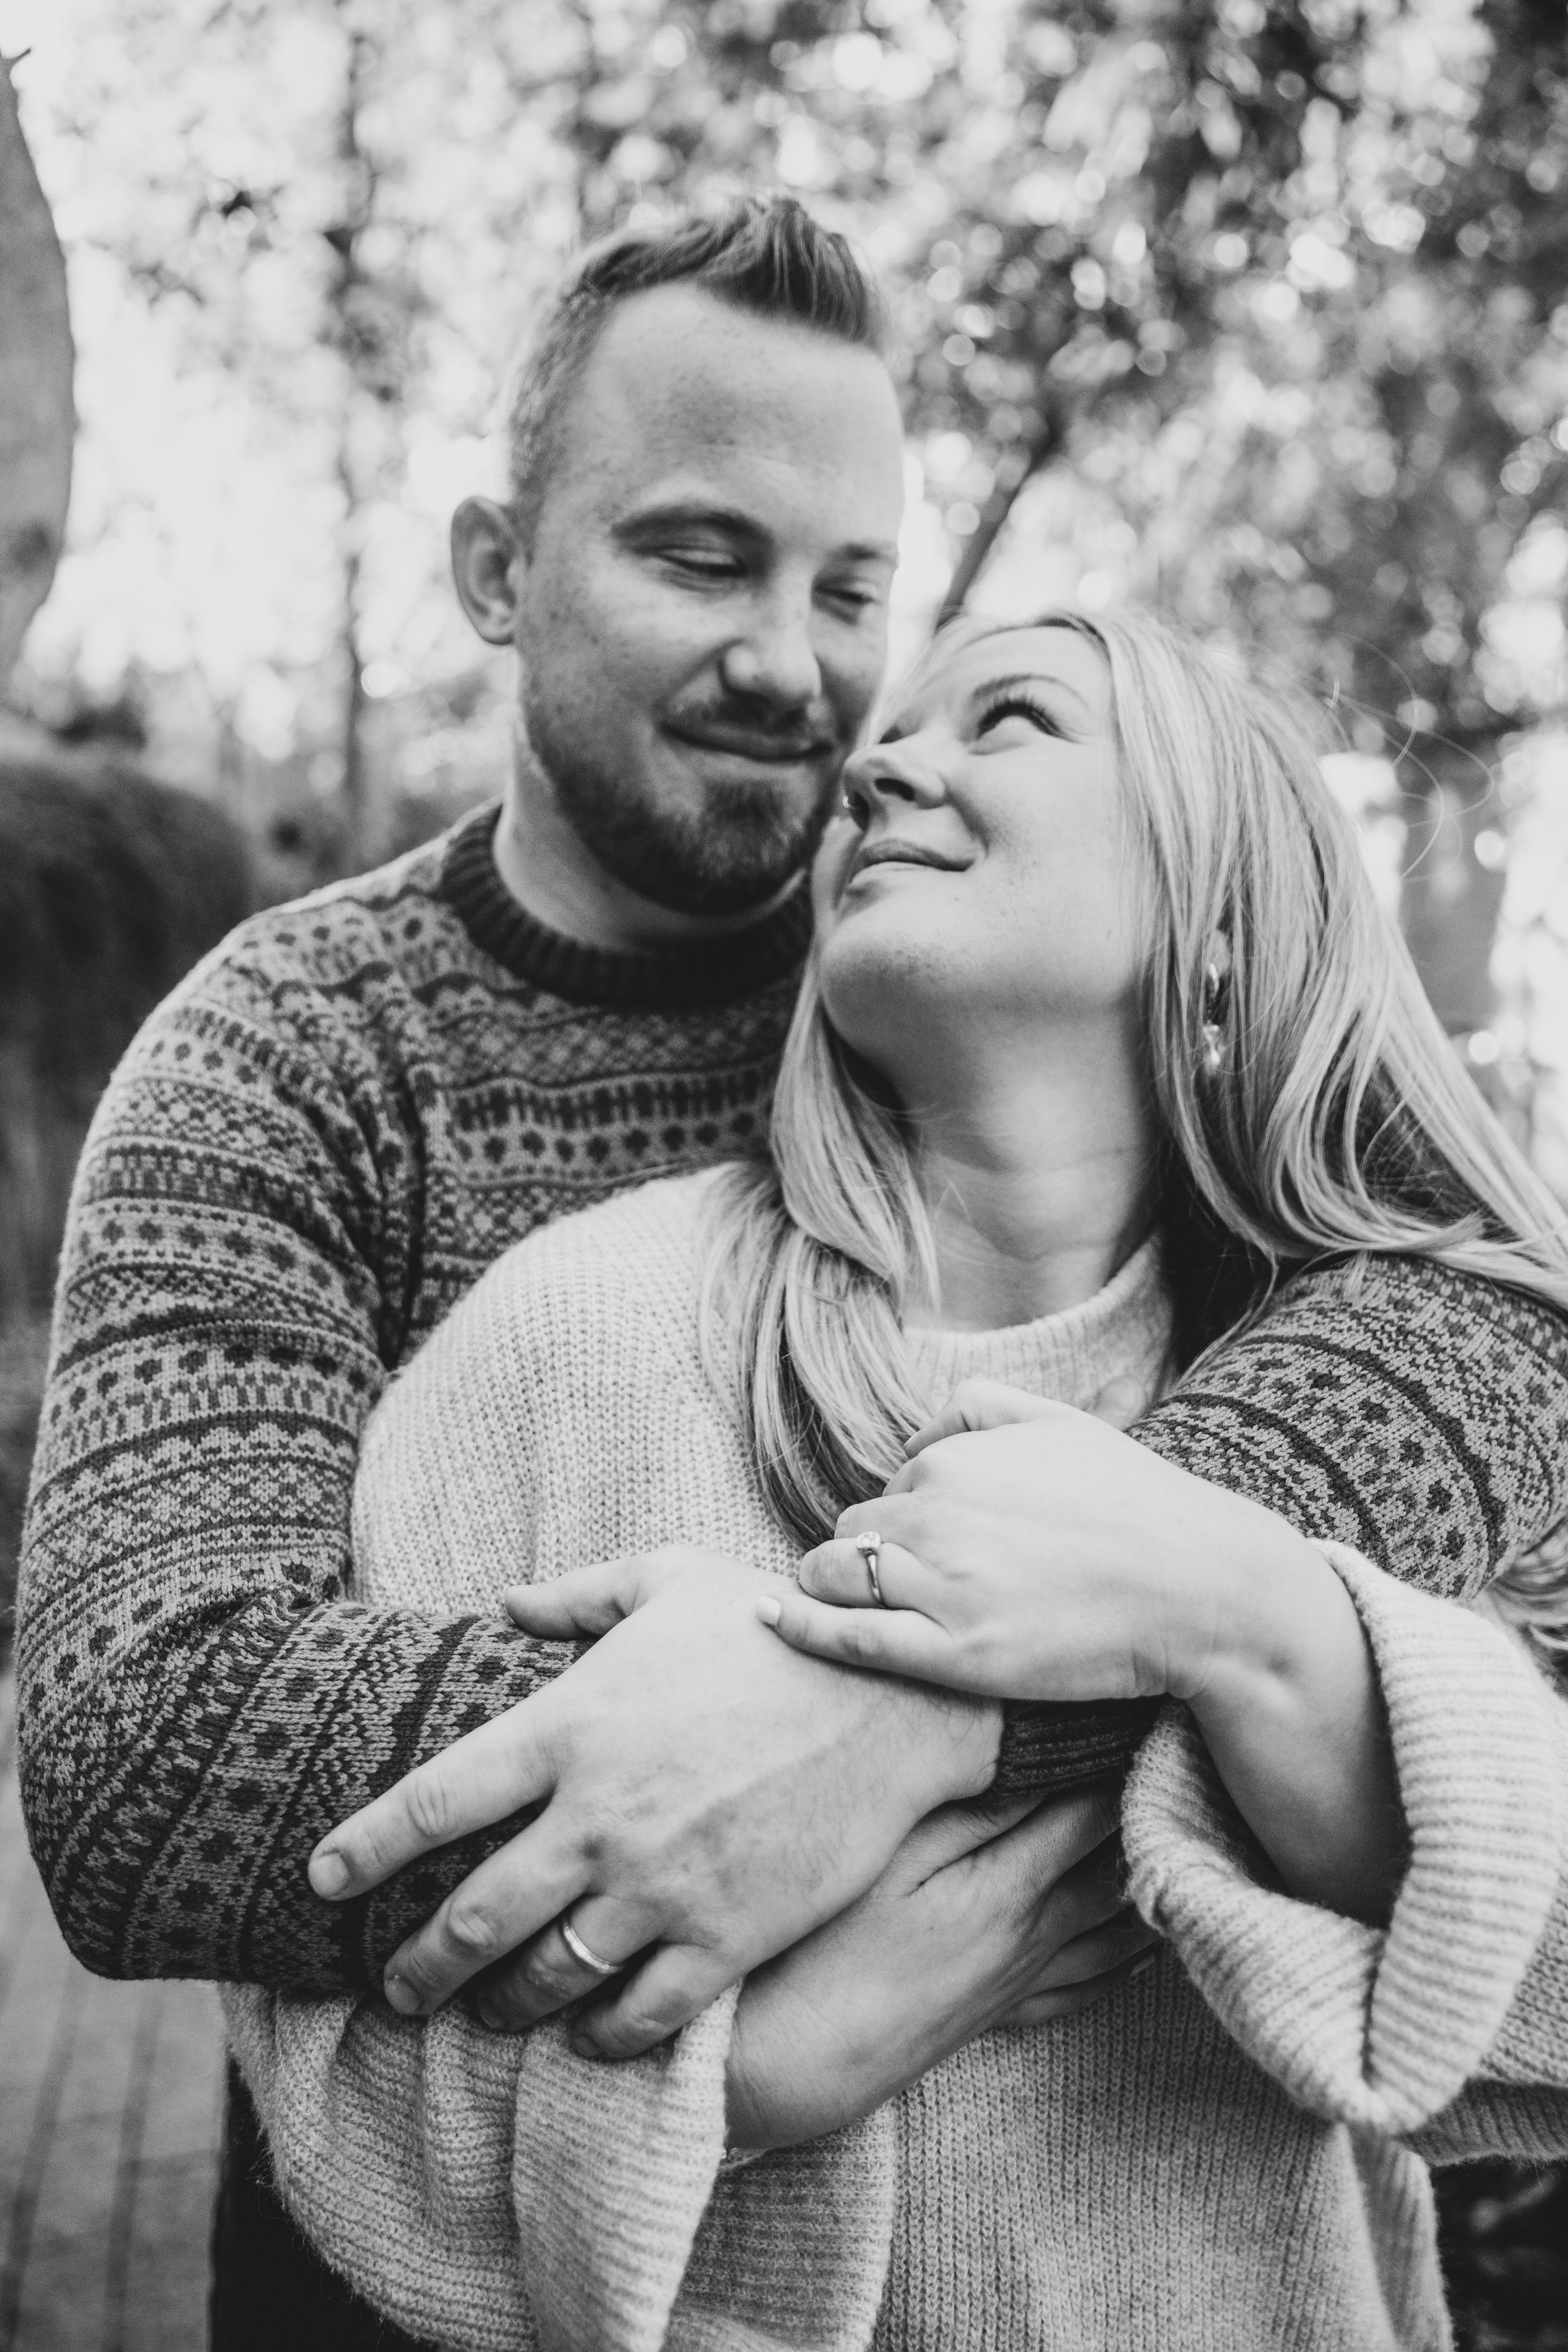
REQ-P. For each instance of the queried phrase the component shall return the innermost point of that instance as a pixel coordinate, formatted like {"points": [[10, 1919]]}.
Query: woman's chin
{"points": [[877, 968]]}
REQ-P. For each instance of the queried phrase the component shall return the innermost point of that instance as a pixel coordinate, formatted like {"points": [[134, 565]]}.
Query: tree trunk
{"points": [[994, 514], [358, 182], [355, 776], [37, 418]]}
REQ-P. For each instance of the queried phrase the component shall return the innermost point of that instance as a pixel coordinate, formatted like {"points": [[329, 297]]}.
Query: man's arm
{"points": [[199, 1703], [1419, 1416]]}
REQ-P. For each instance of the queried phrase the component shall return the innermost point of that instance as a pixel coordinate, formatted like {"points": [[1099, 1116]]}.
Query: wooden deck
{"points": [[110, 2103]]}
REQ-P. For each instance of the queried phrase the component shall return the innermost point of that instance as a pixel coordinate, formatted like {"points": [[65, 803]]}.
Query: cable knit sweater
{"points": [[1219, 2159]]}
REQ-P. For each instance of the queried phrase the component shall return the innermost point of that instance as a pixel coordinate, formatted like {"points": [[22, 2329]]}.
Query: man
{"points": [[325, 1135]]}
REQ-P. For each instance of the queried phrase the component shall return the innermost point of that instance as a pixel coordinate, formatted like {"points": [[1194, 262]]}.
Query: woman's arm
{"points": [[1391, 1403], [1290, 1709], [1137, 1581], [1449, 2028]]}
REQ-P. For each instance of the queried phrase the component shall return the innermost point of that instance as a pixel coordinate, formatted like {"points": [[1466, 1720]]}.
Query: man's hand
{"points": [[708, 1796], [988, 1915]]}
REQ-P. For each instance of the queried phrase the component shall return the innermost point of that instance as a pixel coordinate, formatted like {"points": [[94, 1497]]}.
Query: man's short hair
{"points": [[765, 255]]}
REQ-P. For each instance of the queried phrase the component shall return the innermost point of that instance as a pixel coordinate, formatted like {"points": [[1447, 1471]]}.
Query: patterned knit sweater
{"points": [[1210, 2162], [310, 1154]]}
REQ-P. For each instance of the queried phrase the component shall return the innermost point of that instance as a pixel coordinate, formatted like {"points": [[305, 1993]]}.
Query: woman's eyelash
{"points": [[1016, 706]]}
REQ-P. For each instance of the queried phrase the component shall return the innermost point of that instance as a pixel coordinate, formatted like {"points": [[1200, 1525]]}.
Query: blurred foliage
{"points": [[1505, 2249], [1253, 307], [110, 888]]}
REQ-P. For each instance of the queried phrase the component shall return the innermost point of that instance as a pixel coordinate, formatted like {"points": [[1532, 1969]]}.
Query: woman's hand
{"points": [[1031, 1551], [989, 1914]]}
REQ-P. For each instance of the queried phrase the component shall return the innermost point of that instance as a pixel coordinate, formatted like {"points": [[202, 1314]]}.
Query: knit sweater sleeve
{"points": [[200, 1702], [1418, 1414], [1449, 2029]]}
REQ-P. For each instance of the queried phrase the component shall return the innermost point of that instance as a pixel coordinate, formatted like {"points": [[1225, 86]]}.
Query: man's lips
{"points": [[892, 852], [744, 744]]}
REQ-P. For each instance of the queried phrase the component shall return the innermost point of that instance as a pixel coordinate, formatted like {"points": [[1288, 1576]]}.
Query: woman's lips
{"points": [[886, 852]]}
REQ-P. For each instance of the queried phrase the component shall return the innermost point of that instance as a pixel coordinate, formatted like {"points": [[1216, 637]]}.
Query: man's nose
{"points": [[774, 661]]}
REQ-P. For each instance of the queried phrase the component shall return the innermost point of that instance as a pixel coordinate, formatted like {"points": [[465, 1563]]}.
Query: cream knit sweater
{"points": [[1219, 2159]]}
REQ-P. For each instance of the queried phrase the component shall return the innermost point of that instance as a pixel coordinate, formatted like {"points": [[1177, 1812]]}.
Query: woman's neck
{"points": [[1040, 1185]]}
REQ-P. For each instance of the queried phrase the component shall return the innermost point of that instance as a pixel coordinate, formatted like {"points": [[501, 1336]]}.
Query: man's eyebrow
{"points": [[713, 514], [667, 514]]}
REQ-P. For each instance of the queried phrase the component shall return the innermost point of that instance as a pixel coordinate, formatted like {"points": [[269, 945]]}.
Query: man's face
{"points": [[703, 615]]}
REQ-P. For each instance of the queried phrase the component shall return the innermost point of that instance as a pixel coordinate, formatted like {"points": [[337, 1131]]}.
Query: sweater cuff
{"points": [[1379, 2029], [612, 2167]]}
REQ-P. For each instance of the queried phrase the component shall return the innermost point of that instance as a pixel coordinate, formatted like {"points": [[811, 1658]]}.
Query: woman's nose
{"points": [[883, 773]]}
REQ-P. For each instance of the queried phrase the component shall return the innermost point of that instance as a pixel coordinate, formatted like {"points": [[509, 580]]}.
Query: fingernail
{"points": [[582, 2047], [401, 1994], [1141, 1967], [769, 1610], [490, 2018], [328, 1873]]}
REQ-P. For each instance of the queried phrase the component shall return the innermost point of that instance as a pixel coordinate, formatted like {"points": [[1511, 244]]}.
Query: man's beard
{"points": [[736, 852]]}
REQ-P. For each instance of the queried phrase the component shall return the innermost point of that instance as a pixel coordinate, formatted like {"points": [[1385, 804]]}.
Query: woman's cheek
{"points": [[831, 869]]}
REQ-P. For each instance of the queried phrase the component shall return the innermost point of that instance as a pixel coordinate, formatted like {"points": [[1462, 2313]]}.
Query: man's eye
{"points": [[1015, 706], [703, 562], [858, 595]]}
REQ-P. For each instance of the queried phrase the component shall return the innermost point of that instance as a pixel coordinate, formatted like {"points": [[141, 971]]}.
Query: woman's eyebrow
{"points": [[1031, 677]]}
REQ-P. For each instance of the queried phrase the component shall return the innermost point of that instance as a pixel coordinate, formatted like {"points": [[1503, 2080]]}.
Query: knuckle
{"points": [[427, 1805], [470, 1929], [554, 1974], [861, 1637], [643, 2025], [416, 1968]]}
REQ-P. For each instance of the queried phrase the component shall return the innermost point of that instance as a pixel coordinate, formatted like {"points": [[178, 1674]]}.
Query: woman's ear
{"points": [[488, 566]]}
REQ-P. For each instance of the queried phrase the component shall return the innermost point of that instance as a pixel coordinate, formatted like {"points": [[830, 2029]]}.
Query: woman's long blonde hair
{"points": [[1338, 1119]]}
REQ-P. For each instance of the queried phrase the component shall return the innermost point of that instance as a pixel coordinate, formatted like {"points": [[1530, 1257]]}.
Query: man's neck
{"points": [[1039, 1186], [554, 876]]}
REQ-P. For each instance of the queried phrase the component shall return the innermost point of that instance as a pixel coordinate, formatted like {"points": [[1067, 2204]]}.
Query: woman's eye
{"points": [[1016, 706]]}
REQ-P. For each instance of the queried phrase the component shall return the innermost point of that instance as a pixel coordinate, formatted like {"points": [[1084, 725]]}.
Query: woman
{"points": [[1103, 1034]]}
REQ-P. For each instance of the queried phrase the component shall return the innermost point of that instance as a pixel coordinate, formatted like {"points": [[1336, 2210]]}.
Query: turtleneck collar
{"points": [[675, 978]]}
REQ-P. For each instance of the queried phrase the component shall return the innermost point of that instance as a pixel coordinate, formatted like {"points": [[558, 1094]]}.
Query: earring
{"points": [[1216, 999]]}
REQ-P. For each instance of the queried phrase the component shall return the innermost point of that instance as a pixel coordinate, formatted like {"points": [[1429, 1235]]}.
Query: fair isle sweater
{"points": [[1218, 2159], [312, 1150]]}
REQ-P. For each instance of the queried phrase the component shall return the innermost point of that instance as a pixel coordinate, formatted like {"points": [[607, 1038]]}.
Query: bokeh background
{"points": [[1255, 310]]}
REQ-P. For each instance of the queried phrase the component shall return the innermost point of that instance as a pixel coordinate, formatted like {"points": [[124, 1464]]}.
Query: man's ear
{"points": [[488, 564]]}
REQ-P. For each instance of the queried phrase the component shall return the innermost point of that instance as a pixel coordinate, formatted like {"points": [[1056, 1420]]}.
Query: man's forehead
{"points": [[681, 383]]}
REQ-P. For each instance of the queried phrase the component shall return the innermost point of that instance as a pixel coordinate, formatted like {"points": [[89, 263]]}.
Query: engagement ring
{"points": [[870, 1548]]}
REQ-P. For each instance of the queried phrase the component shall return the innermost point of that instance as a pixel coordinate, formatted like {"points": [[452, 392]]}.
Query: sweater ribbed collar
{"points": [[674, 979], [1069, 1356]]}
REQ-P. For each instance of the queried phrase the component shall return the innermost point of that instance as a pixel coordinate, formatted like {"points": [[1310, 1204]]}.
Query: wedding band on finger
{"points": [[869, 1547], [580, 1951]]}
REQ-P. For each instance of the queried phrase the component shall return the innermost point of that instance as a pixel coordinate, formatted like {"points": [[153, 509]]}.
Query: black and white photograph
{"points": [[783, 1176]]}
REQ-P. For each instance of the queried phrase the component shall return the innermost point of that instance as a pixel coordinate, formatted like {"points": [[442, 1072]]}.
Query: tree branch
{"points": [[993, 514]]}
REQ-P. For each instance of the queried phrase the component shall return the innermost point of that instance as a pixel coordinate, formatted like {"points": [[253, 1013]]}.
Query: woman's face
{"points": [[981, 874]]}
